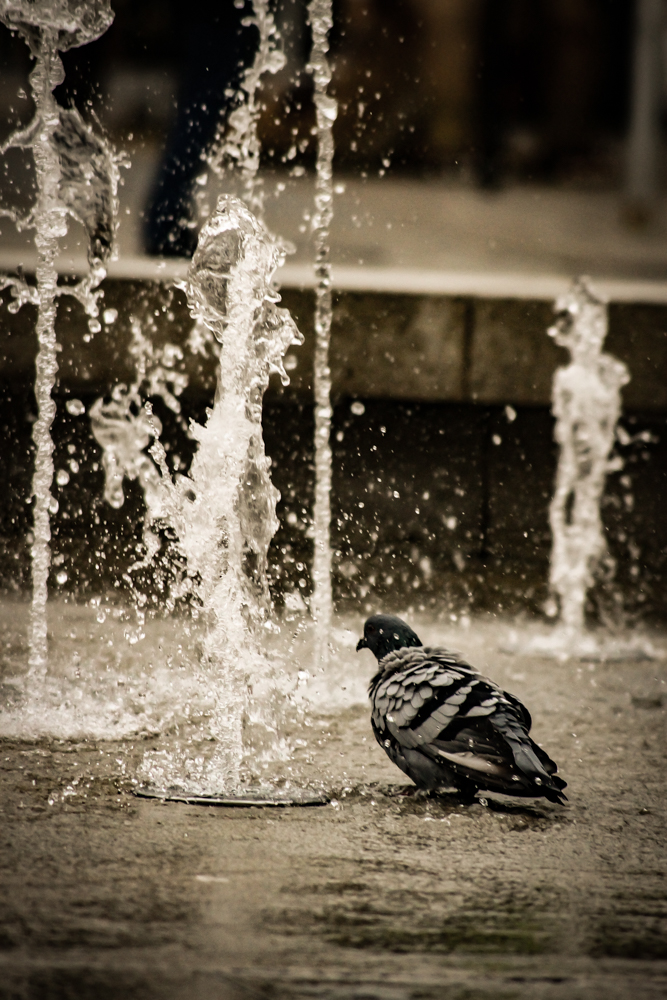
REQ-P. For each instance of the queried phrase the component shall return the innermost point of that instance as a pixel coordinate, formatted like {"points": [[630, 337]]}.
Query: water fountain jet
{"points": [[223, 511], [76, 174], [238, 143], [320, 17]]}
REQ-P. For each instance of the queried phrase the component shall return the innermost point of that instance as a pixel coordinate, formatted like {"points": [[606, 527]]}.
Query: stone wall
{"points": [[442, 476]]}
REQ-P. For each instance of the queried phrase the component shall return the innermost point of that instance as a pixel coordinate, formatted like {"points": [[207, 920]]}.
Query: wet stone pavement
{"points": [[381, 894]]}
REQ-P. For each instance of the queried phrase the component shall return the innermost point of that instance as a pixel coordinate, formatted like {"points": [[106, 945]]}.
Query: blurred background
{"points": [[510, 135], [487, 152], [486, 92]]}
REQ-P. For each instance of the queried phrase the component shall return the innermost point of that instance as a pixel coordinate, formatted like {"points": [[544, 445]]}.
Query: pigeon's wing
{"points": [[422, 691]]}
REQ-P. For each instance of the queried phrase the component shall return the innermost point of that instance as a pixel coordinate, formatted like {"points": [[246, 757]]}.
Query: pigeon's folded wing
{"points": [[423, 691]]}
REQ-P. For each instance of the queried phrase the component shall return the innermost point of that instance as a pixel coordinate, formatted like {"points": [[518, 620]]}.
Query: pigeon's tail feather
{"points": [[530, 759]]}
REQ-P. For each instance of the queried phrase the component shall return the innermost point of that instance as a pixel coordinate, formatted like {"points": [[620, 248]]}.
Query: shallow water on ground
{"points": [[113, 677], [380, 894]]}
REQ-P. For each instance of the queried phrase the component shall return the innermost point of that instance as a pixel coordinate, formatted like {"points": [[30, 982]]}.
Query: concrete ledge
{"points": [[393, 280]]}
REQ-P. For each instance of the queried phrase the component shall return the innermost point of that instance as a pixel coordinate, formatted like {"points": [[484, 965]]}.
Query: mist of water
{"points": [[320, 17], [76, 175]]}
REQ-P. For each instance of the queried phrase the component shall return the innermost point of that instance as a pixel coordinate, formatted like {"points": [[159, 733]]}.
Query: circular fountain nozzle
{"points": [[242, 798]]}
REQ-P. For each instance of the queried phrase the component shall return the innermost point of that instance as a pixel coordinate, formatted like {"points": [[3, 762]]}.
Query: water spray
{"points": [[223, 513]]}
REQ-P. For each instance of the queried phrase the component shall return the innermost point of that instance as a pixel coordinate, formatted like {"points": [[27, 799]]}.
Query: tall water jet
{"points": [[237, 143], [76, 175], [586, 405], [320, 17], [223, 511]]}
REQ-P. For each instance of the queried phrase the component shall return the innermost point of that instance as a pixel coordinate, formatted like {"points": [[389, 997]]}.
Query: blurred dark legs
{"points": [[219, 49], [489, 147]]}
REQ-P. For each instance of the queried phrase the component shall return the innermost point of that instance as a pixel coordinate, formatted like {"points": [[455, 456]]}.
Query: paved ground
{"points": [[378, 895]]}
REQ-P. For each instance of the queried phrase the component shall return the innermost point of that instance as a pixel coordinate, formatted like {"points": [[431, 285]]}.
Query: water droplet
{"points": [[358, 408], [62, 477], [75, 407], [110, 316], [61, 577]]}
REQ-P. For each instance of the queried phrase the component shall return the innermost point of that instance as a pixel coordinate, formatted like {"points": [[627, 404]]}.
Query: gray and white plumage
{"points": [[445, 725]]}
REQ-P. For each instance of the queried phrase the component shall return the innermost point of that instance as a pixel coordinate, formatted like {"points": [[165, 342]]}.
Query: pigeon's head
{"points": [[384, 633]]}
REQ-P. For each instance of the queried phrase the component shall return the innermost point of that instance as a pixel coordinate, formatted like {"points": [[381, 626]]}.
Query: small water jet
{"points": [[320, 17], [76, 174], [237, 145], [587, 406]]}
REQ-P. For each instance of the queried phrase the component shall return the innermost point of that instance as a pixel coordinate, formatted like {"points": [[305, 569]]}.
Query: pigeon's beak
{"points": [[362, 644]]}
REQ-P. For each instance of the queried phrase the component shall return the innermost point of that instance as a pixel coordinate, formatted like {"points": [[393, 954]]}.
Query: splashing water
{"points": [[320, 17], [124, 426], [123, 429], [224, 512], [76, 175], [238, 144]]}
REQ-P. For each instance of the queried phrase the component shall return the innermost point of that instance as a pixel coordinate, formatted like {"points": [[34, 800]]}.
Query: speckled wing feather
{"points": [[422, 690], [428, 703]]}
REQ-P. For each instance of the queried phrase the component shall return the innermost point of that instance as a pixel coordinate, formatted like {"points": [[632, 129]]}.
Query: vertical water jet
{"points": [[76, 175], [587, 405], [320, 17]]}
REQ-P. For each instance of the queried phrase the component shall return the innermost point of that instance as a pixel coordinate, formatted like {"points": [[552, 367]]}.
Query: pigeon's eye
{"points": [[371, 628]]}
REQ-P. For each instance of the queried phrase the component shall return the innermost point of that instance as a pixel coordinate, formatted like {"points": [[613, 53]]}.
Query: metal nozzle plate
{"points": [[243, 798]]}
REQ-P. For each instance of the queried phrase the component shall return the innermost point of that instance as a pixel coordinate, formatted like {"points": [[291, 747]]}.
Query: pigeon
{"points": [[445, 725]]}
